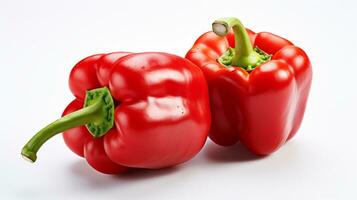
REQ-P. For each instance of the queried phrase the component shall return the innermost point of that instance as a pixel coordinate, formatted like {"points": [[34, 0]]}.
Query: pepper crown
{"points": [[97, 114], [243, 54]]}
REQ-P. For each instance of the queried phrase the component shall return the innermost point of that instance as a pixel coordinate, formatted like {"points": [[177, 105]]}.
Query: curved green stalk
{"points": [[97, 115], [242, 55]]}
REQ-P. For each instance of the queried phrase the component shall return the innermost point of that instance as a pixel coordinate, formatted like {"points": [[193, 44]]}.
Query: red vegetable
{"points": [[161, 115], [257, 96]]}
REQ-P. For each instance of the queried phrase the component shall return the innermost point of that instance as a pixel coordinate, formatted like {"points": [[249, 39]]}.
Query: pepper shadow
{"points": [[234, 153], [97, 180]]}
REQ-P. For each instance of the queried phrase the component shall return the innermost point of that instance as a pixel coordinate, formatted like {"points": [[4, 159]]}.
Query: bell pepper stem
{"points": [[78, 118], [243, 54], [97, 115], [221, 27]]}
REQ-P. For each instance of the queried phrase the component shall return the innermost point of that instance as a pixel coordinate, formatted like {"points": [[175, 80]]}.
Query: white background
{"points": [[40, 41]]}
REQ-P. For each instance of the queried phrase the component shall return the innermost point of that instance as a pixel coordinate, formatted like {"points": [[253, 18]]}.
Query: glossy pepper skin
{"points": [[161, 115], [256, 99]]}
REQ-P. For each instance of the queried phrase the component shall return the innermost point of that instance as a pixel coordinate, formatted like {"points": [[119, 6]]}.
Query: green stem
{"points": [[97, 115], [243, 54]]}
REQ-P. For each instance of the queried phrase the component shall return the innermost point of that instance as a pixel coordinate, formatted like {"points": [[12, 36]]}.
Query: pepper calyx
{"points": [[97, 114], [105, 120], [243, 54], [226, 59]]}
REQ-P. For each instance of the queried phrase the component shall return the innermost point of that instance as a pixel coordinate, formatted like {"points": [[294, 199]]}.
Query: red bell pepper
{"points": [[258, 95], [159, 116]]}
